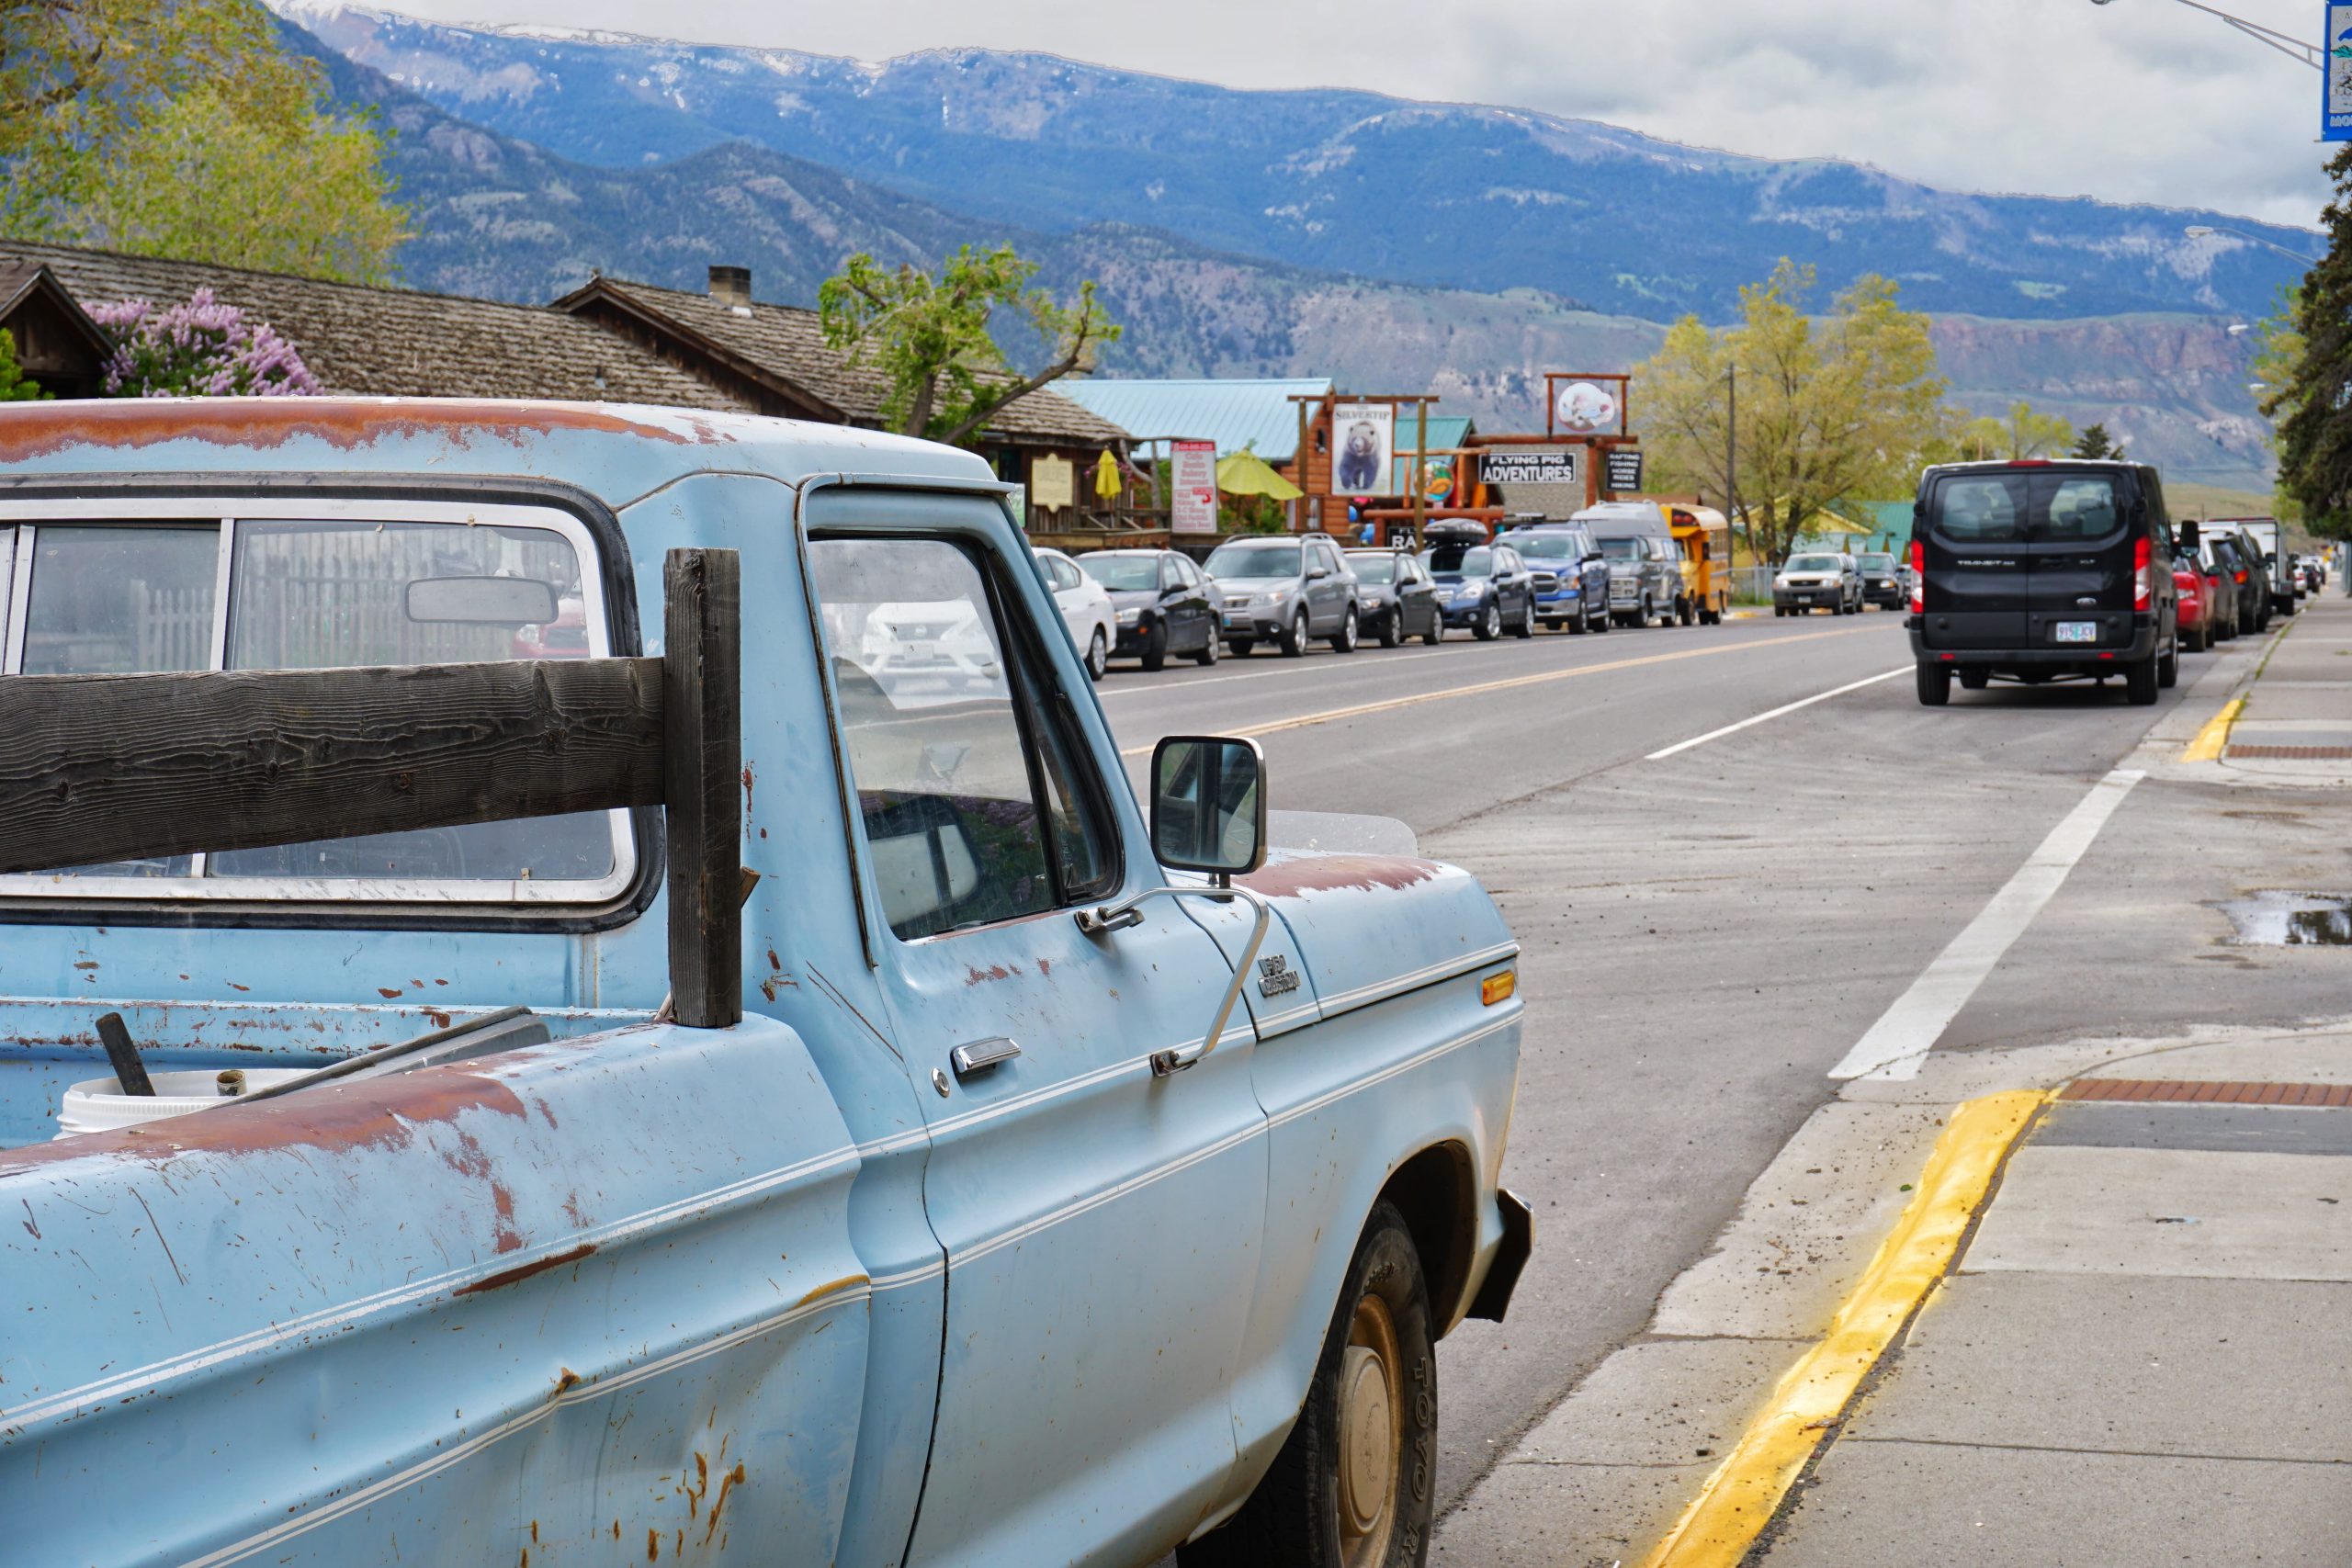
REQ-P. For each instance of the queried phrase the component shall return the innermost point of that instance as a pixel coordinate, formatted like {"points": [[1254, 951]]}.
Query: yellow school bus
{"points": [[1703, 537]]}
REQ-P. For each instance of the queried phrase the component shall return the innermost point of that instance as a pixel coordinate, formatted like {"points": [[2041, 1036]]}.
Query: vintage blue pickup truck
{"points": [[687, 1046]]}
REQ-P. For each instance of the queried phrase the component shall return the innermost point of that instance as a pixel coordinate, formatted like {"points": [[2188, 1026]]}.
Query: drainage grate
{"points": [[2181, 1092], [2294, 753]]}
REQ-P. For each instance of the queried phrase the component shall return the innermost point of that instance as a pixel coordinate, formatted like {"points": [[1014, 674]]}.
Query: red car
{"points": [[2196, 624]]}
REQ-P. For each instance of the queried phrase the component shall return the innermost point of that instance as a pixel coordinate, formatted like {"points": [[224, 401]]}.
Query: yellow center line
{"points": [[1330, 715], [1744, 1492], [2215, 737]]}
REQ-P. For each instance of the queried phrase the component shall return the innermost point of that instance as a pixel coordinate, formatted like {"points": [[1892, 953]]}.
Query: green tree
{"points": [[205, 179], [2315, 435], [2278, 358], [1830, 409], [2023, 433], [181, 128], [931, 337], [14, 386], [2096, 443]]}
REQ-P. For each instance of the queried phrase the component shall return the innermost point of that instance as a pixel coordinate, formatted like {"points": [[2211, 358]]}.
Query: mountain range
{"points": [[1458, 249]]}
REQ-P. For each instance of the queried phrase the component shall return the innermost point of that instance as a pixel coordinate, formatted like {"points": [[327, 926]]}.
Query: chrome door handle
{"points": [[981, 1055]]}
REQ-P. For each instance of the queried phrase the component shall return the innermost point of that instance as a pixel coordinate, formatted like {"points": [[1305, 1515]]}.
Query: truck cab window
{"points": [[973, 806]]}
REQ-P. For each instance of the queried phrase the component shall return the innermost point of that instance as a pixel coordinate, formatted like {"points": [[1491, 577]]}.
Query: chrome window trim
{"points": [[196, 890], [20, 587]]}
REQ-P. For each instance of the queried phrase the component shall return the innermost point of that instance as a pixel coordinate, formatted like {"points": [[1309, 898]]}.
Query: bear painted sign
{"points": [[1363, 448]]}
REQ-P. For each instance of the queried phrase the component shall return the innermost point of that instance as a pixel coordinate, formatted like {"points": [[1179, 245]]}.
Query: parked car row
{"points": [[1289, 591]]}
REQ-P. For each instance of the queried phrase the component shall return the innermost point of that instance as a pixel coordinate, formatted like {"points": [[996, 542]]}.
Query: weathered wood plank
{"points": [[104, 767], [701, 665]]}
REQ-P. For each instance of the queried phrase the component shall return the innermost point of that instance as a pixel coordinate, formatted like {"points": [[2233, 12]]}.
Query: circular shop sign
{"points": [[1583, 407]]}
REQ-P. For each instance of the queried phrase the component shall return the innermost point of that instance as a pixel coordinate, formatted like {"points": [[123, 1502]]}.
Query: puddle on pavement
{"points": [[2276, 918]]}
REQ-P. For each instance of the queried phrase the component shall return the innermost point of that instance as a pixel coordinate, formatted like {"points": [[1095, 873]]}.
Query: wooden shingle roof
{"points": [[396, 342], [787, 345]]}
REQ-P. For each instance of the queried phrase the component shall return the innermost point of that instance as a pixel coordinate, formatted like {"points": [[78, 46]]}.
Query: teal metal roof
{"points": [[1447, 432], [1254, 416]]}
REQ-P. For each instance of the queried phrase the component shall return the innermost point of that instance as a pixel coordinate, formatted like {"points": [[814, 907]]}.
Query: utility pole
{"points": [[1731, 468]]}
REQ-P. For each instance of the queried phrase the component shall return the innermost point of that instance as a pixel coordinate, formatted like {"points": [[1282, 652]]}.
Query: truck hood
{"points": [[1369, 926]]}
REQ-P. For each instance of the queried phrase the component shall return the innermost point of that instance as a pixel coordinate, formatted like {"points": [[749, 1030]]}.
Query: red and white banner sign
{"points": [[1192, 504]]}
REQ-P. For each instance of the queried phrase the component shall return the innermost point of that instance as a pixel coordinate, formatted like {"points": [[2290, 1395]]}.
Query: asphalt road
{"points": [[1706, 934]]}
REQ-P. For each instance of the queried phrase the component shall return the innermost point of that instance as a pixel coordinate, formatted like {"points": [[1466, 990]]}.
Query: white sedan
{"points": [[1086, 609]]}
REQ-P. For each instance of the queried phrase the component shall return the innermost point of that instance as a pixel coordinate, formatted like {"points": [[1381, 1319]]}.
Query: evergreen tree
{"points": [[2095, 442], [14, 386], [2315, 437]]}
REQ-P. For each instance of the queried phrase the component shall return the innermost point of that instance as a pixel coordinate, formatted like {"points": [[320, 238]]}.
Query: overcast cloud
{"points": [[2140, 100]]}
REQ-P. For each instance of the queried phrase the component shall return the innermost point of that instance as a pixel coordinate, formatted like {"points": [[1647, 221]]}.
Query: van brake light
{"points": [[2144, 580], [1919, 578]]}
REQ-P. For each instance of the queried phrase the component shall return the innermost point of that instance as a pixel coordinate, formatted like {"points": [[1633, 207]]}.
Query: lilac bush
{"points": [[202, 349]]}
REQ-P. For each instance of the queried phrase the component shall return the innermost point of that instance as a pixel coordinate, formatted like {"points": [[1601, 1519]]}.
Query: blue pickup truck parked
{"points": [[658, 1081]]}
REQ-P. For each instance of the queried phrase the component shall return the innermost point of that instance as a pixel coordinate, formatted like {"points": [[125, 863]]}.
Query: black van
{"points": [[2039, 570]]}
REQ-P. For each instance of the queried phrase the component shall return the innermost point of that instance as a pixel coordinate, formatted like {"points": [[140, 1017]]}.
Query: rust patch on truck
{"points": [[521, 1271], [332, 1118], [1331, 873], [344, 424]]}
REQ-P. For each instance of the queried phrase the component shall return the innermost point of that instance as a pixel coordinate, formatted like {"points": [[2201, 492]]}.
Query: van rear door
{"points": [[2081, 574], [1973, 537]]}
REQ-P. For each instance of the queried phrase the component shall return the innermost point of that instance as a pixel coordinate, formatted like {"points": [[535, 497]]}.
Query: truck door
{"points": [[2081, 574], [1974, 593], [1101, 1222]]}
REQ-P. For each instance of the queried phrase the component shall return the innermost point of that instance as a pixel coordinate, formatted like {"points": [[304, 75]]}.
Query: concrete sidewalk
{"points": [[2140, 1351], [2146, 1352]]}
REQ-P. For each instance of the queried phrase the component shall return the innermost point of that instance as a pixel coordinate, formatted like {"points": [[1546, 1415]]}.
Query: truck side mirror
{"points": [[1208, 804], [2189, 536]]}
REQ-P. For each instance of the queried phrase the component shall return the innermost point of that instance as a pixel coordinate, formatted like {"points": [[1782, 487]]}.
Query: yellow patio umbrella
{"points": [[1106, 477], [1246, 473]]}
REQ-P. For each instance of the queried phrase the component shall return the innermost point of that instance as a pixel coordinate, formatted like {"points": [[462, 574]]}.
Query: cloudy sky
{"points": [[2138, 100]]}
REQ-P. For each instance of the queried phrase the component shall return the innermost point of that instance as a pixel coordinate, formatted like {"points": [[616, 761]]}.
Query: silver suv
{"points": [[1287, 589], [1819, 579]]}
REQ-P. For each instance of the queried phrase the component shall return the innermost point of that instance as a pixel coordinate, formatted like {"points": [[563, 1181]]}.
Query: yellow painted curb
{"points": [[2214, 738], [1741, 1496]]}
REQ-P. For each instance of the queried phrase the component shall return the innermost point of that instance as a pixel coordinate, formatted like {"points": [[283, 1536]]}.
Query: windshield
{"points": [[1377, 569], [1457, 561], [1122, 574], [1621, 549], [1545, 547], [1254, 561], [1875, 563], [1813, 563]]}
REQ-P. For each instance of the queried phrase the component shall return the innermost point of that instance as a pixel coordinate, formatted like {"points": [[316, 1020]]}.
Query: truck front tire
{"points": [[1354, 1484]]}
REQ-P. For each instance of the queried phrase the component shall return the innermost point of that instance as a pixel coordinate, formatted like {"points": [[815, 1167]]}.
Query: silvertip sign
{"points": [[2335, 97]]}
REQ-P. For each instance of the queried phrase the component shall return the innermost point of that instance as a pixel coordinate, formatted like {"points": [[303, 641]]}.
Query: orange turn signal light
{"points": [[1499, 988]]}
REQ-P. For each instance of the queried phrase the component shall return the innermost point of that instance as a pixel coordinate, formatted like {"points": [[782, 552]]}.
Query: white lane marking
{"points": [[1906, 1032], [1759, 718]]}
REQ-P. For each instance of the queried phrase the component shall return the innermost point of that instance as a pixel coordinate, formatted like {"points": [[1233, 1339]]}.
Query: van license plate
{"points": [[2078, 631]]}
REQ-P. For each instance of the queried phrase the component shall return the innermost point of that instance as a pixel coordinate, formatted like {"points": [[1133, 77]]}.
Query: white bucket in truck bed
{"points": [[98, 1105]]}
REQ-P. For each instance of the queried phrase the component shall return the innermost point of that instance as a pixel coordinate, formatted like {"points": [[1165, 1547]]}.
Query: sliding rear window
{"points": [[316, 586]]}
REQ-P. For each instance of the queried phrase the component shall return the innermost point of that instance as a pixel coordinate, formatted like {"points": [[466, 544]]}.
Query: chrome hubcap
{"points": [[1372, 1435]]}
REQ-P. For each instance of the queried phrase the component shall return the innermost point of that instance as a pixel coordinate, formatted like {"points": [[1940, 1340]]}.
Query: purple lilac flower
{"points": [[202, 349]]}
